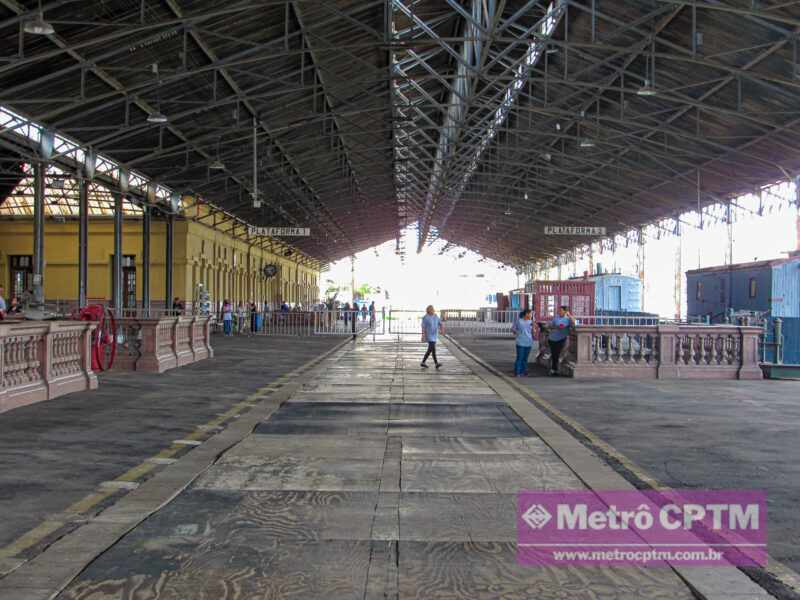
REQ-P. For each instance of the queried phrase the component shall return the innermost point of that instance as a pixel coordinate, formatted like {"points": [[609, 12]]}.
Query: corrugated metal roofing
{"points": [[350, 99]]}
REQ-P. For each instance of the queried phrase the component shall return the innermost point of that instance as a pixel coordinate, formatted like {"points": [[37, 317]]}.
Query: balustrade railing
{"points": [[663, 351], [44, 360], [161, 343]]}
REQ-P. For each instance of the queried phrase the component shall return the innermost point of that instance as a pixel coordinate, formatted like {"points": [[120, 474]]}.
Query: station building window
{"points": [[698, 294], [128, 280], [753, 287], [21, 274]]}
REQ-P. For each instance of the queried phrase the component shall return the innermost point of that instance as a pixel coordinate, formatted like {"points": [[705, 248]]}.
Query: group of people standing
{"points": [[355, 311], [557, 332], [242, 311], [523, 328]]}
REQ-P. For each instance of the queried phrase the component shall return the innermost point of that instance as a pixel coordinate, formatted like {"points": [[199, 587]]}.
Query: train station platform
{"points": [[363, 476]]}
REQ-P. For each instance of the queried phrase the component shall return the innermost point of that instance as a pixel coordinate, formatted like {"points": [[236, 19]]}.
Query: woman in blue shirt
{"points": [[558, 330], [522, 328]]}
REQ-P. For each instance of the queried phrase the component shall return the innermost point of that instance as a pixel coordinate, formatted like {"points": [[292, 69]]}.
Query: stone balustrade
{"points": [[160, 343], [41, 360], [663, 352]]}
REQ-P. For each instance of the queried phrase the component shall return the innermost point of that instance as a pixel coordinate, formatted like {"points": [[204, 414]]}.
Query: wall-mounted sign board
{"points": [[573, 230], [280, 231]]}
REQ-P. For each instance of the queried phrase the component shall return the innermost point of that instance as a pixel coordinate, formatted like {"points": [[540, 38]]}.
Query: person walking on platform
{"points": [[227, 318], [522, 328], [372, 314], [558, 330], [431, 328]]}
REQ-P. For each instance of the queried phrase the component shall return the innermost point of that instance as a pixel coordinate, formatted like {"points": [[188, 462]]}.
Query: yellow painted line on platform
{"points": [[137, 472], [31, 538], [90, 501], [167, 452]]}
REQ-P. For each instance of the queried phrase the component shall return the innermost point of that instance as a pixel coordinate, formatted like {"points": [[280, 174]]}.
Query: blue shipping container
{"points": [[617, 293], [785, 299]]}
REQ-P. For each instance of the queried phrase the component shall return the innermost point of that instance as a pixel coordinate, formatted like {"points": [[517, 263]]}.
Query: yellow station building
{"points": [[221, 258]]}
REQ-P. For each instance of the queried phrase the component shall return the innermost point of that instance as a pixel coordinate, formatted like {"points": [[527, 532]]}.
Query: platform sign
{"points": [[280, 231], [573, 230]]}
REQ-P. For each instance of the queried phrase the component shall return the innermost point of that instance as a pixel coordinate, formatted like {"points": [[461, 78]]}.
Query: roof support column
{"points": [[38, 232], [170, 236], [640, 260], [116, 268], [83, 240], [146, 221]]}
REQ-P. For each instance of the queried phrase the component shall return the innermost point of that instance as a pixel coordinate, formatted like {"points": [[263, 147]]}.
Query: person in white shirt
{"points": [[431, 328]]}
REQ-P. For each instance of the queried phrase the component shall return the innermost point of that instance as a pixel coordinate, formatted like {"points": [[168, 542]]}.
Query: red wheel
{"points": [[104, 338], [105, 341]]}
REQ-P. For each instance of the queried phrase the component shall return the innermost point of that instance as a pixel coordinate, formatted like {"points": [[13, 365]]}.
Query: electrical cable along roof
{"points": [[480, 120]]}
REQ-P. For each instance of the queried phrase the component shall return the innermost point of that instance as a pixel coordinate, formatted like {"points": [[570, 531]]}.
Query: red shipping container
{"points": [[549, 295]]}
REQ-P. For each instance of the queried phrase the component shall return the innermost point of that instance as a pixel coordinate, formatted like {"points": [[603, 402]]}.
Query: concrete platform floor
{"points": [[688, 434], [53, 454], [398, 485], [362, 477]]}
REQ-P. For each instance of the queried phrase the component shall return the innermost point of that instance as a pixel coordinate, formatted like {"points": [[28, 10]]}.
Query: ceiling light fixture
{"points": [[37, 25], [647, 89], [157, 118], [217, 164], [586, 143]]}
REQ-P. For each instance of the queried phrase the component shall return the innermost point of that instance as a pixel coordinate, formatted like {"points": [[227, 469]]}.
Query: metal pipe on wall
{"points": [[146, 219], [83, 241]]}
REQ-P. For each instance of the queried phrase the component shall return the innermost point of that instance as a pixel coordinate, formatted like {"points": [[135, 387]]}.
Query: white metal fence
{"points": [[299, 323], [478, 323], [485, 322]]}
